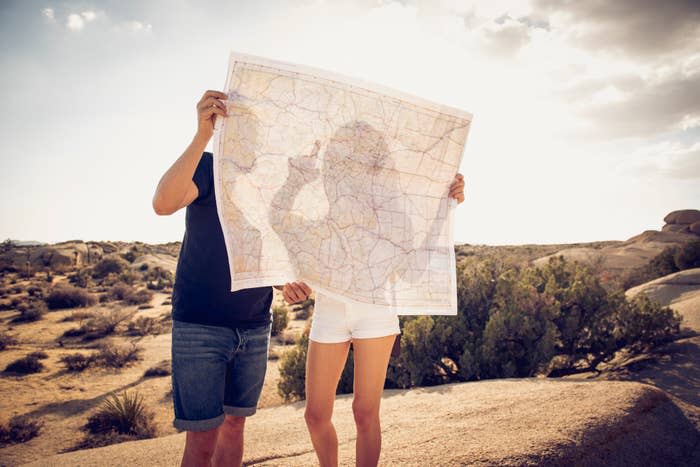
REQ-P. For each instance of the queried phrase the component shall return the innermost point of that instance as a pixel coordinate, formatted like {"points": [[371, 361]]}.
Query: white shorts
{"points": [[334, 321]]}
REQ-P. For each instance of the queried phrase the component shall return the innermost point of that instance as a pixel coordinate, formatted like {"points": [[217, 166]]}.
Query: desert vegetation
{"points": [[513, 322]]}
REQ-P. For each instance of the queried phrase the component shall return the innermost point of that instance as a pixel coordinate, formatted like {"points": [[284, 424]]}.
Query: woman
{"points": [[372, 333]]}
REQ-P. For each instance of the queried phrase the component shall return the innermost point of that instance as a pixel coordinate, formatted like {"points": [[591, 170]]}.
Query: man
{"points": [[220, 338]]}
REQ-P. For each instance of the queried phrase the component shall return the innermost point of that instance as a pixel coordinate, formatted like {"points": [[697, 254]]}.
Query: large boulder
{"points": [[695, 227], [675, 228], [682, 216]]}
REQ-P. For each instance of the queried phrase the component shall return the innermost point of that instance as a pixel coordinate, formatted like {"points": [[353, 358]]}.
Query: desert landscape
{"points": [[85, 323]]}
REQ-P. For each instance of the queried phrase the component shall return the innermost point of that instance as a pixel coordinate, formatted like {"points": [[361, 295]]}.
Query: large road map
{"points": [[338, 183]]}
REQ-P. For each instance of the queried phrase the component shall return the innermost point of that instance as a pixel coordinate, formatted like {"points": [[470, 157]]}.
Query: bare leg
{"points": [[199, 447], [371, 361], [229, 445], [324, 365]]}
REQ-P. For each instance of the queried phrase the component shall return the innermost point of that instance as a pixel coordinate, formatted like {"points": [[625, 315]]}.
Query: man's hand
{"points": [[295, 292], [457, 188], [208, 107]]}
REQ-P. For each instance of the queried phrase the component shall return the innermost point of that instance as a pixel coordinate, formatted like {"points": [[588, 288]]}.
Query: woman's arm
{"points": [[176, 188]]}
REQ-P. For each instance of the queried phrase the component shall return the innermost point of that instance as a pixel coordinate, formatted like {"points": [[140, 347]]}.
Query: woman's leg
{"points": [[324, 365], [371, 361]]}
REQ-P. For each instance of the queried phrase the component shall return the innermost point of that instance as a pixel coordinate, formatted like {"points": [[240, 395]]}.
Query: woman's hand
{"points": [[295, 292], [208, 107], [457, 188]]}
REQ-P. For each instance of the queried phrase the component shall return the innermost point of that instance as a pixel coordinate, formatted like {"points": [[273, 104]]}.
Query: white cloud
{"points": [[48, 14], [88, 15], [138, 26], [76, 22]]}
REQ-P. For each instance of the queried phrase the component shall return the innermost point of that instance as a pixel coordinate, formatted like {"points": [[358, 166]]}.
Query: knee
{"points": [[232, 425], [200, 445], [365, 414], [316, 417]]}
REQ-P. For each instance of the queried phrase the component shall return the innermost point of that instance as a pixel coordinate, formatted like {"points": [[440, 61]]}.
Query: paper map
{"points": [[338, 183]]}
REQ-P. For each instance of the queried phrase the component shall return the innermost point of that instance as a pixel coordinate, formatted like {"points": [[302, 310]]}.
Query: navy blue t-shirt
{"points": [[202, 290]]}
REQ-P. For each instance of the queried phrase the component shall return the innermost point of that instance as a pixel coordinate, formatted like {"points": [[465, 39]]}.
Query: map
{"points": [[338, 183]]}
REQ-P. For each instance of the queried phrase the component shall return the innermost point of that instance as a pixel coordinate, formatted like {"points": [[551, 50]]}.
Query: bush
{"points": [[30, 312], [688, 255], [19, 429], [109, 265], [6, 340], [303, 310], [292, 368], [145, 325], [25, 365], [101, 325], [118, 356], [513, 321], [280, 319], [77, 362], [162, 369], [129, 294], [68, 296], [120, 418], [39, 354]]}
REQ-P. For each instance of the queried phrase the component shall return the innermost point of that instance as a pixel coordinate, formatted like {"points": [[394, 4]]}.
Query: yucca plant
{"points": [[124, 414]]}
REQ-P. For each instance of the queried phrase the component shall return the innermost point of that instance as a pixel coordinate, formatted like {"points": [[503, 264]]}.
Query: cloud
{"points": [[76, 22], [643, 28], [643, 108], [668, 159], [138, 26], [49, 14]]}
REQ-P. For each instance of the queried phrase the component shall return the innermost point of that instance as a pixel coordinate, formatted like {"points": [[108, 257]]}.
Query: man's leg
{"points": [[200, 355], [371, 361], [229, 444], [324, 365], [245, 376], [199, 448]]}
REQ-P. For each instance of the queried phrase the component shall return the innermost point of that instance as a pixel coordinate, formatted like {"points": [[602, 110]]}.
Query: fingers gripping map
{"points": [[338, 183]]}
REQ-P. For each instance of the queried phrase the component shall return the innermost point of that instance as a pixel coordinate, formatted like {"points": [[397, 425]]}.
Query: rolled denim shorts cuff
{"points": [[198, 425], [239, 411]]}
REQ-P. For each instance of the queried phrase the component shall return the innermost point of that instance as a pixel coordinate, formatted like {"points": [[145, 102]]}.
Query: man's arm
{"points": [[176, 188]]}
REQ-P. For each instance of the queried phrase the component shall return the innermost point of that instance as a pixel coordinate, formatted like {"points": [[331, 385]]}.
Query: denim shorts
{"points": [[216, 371]]}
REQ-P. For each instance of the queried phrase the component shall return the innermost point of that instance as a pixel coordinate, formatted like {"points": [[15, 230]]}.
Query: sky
{"points": [[586, 114]]}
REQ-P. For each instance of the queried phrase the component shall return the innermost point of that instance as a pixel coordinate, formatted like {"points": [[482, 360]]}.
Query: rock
{"points": [[695, 228], [683, 216], [675, 228], [529, 421]]}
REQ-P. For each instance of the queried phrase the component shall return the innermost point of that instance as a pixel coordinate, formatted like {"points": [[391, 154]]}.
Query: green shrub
{"points": [[19, 429], [68, 296], [129, 294], [119, 418], [25, 365], [161, 369], [513, 321], [109, 265], [101, 325], [30, 312], [280, 319], [292, 368], [118, 356], [688, 255], [77, 362], [145, 325], [6, 340], [39, 354]]}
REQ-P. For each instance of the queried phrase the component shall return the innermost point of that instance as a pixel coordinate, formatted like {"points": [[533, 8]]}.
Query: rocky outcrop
{"points": [[682, 221], [683, 216], [533, 421]]}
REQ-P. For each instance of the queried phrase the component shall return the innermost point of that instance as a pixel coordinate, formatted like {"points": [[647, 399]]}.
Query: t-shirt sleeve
{"points": [[204, 176]]}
